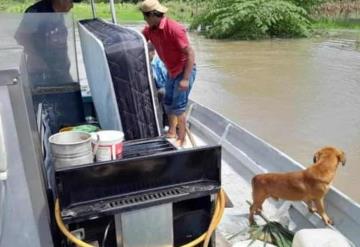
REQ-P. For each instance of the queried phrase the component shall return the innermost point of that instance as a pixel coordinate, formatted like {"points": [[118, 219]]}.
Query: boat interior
{"points": [[154, 193]]}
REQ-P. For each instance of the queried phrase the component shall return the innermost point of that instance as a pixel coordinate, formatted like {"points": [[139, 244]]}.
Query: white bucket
{"points": [[110, 145], [319, 238], [71, 148]]}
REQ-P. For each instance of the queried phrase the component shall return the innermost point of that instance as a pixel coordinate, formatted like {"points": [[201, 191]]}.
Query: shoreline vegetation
{"points": [[283, 19]]}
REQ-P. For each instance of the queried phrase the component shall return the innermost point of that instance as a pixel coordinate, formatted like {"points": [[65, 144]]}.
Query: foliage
{"points": [[344, 9], [180, 10], [253, 19], [272, 232], [308, 5]]}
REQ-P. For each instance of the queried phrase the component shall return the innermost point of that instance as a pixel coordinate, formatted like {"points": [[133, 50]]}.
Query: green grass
{"points": [[125, 12], [327, 24], [178, 10], [13, 7]]}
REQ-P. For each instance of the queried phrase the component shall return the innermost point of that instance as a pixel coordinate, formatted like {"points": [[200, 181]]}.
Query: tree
{"points": [[253, 19]]}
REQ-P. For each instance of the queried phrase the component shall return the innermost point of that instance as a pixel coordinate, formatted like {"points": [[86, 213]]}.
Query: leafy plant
{"points": [[253, 19], [272, 232]]}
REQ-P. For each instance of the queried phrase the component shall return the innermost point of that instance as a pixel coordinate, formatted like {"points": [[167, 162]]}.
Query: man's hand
{"points": [[184, 85]]}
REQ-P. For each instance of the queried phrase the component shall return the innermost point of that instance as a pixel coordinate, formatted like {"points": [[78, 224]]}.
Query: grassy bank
{"points": [[335, 14], [125, 12], [328, 24], [328, 17]]}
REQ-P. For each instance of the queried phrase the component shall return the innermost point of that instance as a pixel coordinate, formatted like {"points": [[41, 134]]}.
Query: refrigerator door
{"points": [[26, 217]]}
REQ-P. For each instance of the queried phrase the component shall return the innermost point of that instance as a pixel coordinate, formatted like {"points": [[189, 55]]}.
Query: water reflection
{"points": [[298, 95]]}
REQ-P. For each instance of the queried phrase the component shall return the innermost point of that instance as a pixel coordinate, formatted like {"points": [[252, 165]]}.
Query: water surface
{"points": [[298, 95]]}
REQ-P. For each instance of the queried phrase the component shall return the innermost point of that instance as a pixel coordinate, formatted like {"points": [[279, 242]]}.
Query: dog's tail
{"points": [[256, 184], [254, 181], [253, 184]]}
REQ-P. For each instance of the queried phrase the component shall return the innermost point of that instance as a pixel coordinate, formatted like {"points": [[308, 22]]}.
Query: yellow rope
{"points": [[218, 212], [64, 230], [213, 226], [203, 236]]}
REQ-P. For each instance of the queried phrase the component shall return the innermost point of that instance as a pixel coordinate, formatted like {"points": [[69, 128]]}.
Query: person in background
{"points": [[160, 75], [172, 45], [43, 32], [44, 39], [50, 6], [159, 71]]}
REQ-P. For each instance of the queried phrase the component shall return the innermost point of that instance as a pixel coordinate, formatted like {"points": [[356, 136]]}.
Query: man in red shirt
{"points": [[172, 45]]}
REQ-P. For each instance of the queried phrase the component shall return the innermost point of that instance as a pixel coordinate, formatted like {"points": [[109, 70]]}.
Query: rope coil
{"points": [[205, 237]]}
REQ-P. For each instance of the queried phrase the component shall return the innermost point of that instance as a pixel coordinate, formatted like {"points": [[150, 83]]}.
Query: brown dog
{"points": [[309, 185]]}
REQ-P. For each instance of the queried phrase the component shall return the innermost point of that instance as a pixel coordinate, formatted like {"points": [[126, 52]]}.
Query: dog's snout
{"points": [[340, 154]]}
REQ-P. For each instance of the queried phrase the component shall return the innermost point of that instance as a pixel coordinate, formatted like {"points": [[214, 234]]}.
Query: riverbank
{"points": [[184, 12], [338, 29], [331, 24]]}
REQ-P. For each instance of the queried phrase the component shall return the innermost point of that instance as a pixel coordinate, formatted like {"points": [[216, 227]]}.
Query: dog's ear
{"points": [[316, 156], [342, 158]]}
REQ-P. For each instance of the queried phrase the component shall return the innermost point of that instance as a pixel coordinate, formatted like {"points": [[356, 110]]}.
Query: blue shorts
{"points": [[175, 101]]}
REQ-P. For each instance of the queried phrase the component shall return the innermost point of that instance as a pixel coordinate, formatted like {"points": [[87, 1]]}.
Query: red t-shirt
{"points": [[169, 38]]}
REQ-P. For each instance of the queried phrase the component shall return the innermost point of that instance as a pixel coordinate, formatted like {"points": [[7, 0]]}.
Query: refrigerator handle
{"points": [[3, 158]]}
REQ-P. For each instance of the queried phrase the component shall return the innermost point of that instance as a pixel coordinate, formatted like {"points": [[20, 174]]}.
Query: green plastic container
{"points": [[86, 128]]}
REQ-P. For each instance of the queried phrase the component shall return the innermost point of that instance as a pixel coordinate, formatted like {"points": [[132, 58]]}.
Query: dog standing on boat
{"points": [[309, 185]]}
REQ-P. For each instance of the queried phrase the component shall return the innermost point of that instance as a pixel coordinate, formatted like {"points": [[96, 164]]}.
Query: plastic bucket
{"points": [[110, 145], [71, 148]]}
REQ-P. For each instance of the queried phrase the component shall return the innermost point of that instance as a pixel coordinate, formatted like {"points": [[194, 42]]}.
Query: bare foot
{"points": [[180, 143], [170, 135]]}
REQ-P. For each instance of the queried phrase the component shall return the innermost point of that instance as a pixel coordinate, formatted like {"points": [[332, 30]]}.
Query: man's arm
{"points": [[145, 33], [189, 52]]}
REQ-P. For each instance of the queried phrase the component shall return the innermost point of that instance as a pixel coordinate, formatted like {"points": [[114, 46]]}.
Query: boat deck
{"points": [[234, 227], [245, 155]]}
